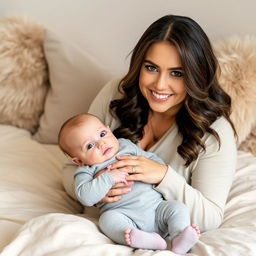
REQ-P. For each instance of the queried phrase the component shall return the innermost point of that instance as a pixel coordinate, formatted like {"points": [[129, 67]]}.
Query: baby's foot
{"points": [[197, 229], [144, 240], [182, 243]]}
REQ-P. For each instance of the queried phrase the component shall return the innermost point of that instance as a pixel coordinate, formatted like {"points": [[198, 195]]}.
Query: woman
{"points": [[170, 103]]}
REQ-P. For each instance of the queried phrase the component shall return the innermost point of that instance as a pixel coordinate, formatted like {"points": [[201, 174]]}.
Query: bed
{"points": [[38, 216]]}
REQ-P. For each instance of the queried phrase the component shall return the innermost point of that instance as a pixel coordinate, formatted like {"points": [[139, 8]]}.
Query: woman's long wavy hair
{"points": [[205, 100]]}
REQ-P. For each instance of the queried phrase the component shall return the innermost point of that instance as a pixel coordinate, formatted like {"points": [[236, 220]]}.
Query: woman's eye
{"points": [[103, 133], [89, 146], [177, 73], [151, 68]]}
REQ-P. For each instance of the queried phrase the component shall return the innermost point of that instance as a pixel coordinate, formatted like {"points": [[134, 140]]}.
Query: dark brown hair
{"points": [[205, 100]]}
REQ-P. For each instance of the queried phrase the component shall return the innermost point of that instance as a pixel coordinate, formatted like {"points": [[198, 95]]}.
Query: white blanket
{"points": [[37, 218]]}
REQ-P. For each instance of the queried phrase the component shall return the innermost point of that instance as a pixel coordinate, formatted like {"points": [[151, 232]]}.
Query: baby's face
{"points": [[92, 142]]}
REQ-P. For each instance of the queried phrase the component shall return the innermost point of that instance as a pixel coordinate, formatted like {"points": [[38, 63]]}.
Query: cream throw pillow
{"points": [[237, 59], [75, 79], [23, 72]]}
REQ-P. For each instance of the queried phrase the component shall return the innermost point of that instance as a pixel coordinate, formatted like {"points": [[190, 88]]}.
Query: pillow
{"points": [[237, 59], [249, 144], [75, 79], [23, 72]]}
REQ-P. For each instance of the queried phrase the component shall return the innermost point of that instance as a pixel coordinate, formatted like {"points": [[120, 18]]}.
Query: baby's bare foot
{"points": [[182, 243], [127, 236], [196, 229], [144, 240]]}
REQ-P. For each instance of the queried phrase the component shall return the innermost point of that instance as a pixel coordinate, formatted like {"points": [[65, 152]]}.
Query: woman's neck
{"points": [[160, 117], [158, 124]]}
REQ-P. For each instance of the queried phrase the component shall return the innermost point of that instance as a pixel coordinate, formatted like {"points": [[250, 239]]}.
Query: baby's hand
{"points": [[118, 176]]}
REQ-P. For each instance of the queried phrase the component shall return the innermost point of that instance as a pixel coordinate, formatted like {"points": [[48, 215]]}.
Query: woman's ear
{"points": [[77, 161]]}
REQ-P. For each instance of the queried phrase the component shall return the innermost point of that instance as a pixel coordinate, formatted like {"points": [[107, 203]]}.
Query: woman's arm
{"points": [[211, 179]]}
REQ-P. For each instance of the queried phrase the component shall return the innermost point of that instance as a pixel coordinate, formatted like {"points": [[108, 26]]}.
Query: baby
{"points": [[141, 218]]}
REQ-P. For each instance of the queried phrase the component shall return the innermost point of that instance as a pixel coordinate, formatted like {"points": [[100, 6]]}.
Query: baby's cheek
{"points": [[94, 158]]}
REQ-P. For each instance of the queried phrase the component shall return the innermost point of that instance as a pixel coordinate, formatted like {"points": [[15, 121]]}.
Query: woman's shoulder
{"points": [[221, 125], [224, 130], [100, 105], [227, 146], [110, 89]]}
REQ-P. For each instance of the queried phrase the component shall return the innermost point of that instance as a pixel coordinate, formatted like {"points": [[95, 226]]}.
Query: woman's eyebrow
{"points": [[154, 64]]}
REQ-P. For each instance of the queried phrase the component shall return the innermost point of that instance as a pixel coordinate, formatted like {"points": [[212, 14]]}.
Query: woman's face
{"points": [[161, 79]]}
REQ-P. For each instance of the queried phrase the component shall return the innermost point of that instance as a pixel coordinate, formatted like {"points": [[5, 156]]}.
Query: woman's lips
{"points": [[161, 97]]}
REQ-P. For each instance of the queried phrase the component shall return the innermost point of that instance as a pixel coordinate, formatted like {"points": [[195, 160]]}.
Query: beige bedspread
{"points": [[38, 218]]}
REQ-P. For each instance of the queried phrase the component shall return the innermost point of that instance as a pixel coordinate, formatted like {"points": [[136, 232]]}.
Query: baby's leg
{"points": [[144, 240], [113, 224], [182, 235], [123, 230]]}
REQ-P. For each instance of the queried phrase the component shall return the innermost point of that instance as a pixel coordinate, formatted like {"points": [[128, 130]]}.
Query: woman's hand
{"points": [[140, 168], [116, 192]]}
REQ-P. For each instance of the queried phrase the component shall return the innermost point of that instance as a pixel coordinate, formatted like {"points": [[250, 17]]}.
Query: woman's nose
{"points": [[161, 82]]}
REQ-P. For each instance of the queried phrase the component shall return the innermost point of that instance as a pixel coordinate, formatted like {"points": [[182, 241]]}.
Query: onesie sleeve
{"points": [[90, 191], [211, 179]]}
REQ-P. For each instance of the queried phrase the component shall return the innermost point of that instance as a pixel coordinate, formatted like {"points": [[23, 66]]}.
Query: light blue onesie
{"points": [[143, 208]]}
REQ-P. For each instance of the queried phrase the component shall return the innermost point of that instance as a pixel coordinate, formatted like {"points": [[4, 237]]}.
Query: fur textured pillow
{"points": [[249, 144], [23, 72], [237, 58]]}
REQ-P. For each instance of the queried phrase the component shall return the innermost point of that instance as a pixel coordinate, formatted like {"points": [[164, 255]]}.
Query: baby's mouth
{"points": [[107, 150]]}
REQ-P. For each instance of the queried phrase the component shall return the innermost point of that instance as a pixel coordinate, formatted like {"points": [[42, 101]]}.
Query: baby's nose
{"points": [[101, 143]]}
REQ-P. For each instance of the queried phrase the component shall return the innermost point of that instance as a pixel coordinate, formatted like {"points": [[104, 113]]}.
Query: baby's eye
{"points": [[103, 133], [89, 146], [151, 68], [176, 73]]}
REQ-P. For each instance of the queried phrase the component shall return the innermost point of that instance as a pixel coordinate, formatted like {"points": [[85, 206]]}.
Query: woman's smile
{"points": [[160, 97]]}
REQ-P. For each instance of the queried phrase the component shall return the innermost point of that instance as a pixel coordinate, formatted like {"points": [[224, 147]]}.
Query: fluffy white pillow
{"points": [[75, 79], [23, 72], [237, 58]]}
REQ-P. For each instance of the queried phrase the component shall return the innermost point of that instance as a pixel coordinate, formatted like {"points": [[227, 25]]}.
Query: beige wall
{"points": [[108, 29]]}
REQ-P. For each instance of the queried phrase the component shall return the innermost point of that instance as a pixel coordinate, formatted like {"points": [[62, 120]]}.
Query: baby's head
{"points": [[87, 140]]}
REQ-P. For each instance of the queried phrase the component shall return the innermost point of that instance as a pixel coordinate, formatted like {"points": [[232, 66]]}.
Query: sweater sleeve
{"points": [[211, 179], [90, 191]]}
